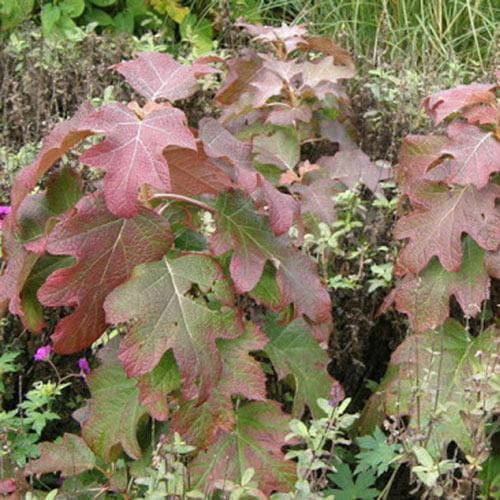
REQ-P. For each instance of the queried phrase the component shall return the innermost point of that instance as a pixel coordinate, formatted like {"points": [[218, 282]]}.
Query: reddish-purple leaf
{"points": [[250, 237], [219, 143], [256, 442], [441, 105], [248, 81], [425, 298], [71, 456], [132, 153], [160, 76], [317, 198], [107, 249], [63, 137], [418, 154], [353, 167], [436, 229], [242, 375], [193, 173], [476, 155], [327, 46], [290, 36]]}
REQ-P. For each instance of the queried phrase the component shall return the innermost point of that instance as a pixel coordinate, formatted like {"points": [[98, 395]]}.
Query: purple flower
{"points": [[337, 394], [4, 211], [43, 353], [83, 364]]}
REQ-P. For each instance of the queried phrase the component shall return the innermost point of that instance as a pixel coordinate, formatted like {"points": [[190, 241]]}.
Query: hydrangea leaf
{"points": [[160, 76], [317, 198], [242, 375], [475, 152], [26, 237], [248, 85], [220, 144], [132, 153], [250, 237], [113, 414], [106, 248], [436, 229], [322, 77], [37, 212], [418, 154], [280, 148], [326, 45], [293, 351], [425, 298], [71, 456], [430, 379], [193, 173], [165, 315], [32, 312], [61, 139], [259, 433], [289, 36], [155, 386], [353, 167], [443, 104]]}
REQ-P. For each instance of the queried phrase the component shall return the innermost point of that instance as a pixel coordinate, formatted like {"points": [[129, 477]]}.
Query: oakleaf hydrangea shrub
{"points": [[440, 391], [185, 223]]}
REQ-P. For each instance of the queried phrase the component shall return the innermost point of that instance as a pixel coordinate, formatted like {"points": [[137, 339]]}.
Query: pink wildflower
{"points": [[43, 353], [83, 364], [4, 211]]}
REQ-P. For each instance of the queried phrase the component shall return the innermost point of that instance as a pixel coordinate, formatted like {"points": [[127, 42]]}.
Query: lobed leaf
{"points": [[165, 315], [445, 103], [199, 424], [113, 414], [425, 298], [293, 351], [256, 441], [71, 456], [132, 153], [241, 229], [436, 229], [106, 249], [159, 76], [435, 378]]}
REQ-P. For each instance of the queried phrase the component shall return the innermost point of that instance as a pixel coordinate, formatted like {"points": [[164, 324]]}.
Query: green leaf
{"points": [[38, 212], [156, 385], [198, 33], [50, 15], [376, 453], [445, 369], [70, 456], [72, 8], [114, 412], [171, 8], [124, 22], [103, 3], [242, 375], [137, 7], [293, 351], [99, 16], [351, 488], [281, 149], [256, 441], [14, 12]]}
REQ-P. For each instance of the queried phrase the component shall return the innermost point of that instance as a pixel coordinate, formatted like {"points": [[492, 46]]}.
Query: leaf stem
{"points": [[182, 198]]}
